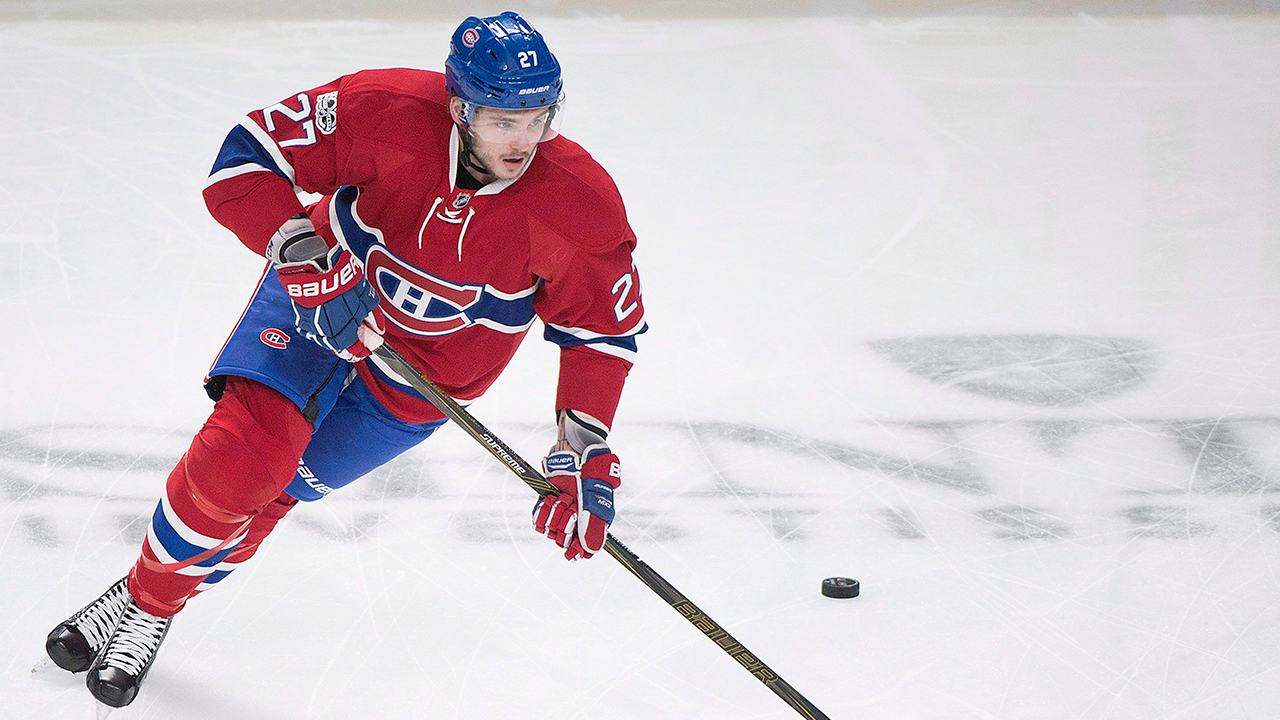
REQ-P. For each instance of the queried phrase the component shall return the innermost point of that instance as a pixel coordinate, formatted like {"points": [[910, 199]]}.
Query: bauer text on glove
{"points": [[333, 304]]}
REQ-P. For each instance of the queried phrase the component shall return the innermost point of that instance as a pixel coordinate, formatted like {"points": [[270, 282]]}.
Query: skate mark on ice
{"points": [[1210, 462], [1219, 458], [480, 527], [641, 523], [1045, 370], [959, 476], [360, 528], [1056, 437], [1164, 522], [902, 523], [132, 528], [1016, 522], [16, 488], [404, 478], [40, 531], [786, 524], [724, 487], [32, 445]]}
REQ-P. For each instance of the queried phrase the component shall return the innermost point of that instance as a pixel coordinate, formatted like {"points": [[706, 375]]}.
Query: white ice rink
{"points": [[979, 310]]}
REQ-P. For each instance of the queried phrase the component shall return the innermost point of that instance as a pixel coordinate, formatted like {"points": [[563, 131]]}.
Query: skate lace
{"points": [[99, 619], [136, 640]]}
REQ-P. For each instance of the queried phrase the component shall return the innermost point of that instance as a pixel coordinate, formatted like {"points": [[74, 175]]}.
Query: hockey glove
{"points": [[333, 305], [578, 518]]}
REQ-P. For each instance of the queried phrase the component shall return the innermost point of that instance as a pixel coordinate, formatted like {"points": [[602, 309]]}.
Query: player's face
{"points": [[503, 140], [523, 127]]}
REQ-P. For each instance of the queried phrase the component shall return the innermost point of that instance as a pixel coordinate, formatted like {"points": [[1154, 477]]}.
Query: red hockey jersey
{"points": [[460, 274]]}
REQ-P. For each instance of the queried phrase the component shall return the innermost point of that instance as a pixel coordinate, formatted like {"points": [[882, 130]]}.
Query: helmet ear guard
{"points": [[466, 111]]}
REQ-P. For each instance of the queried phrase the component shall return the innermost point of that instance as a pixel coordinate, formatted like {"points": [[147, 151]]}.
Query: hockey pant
{"points": [[255, 457]]}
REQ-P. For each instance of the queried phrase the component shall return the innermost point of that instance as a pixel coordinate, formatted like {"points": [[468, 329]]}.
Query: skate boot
{"points": [[74, 643], [118, 670]]}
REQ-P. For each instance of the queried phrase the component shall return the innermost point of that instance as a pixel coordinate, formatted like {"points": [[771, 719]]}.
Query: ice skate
{"points": [[118, 671], [74, 643]]}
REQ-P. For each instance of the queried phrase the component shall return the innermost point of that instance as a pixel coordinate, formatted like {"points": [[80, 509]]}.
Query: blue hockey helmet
{"points": [[502, 62]]}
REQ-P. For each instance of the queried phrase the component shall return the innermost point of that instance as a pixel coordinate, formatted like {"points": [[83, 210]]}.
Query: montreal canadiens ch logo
{"points": [[470, 37], [274, 338], [417, 302]]}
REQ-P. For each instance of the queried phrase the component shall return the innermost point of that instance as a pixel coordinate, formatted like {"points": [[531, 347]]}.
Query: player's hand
{"points": [[333, 304], [578, 518]]}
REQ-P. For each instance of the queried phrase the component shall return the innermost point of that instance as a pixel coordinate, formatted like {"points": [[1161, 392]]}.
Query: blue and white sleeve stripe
{"points": [[248, 148], [620, 346]]}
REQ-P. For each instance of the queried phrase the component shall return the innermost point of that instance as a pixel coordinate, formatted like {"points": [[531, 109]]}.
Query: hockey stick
{"points": [[629, 560]]}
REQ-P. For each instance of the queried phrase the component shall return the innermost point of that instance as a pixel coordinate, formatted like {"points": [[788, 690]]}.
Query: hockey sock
{"points": [[261, 526], [237, 465]]}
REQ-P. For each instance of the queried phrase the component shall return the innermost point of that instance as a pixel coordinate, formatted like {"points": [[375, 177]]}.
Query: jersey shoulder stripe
{"points": [[248, 148]]}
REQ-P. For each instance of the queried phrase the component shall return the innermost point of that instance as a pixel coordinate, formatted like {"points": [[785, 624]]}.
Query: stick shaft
{"points": [[620, 552]]}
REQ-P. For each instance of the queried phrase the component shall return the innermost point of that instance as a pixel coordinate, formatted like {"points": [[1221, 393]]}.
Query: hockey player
{"points": [[452, 215]]}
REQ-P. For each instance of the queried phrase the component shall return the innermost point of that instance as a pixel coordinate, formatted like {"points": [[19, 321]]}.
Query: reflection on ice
{"points": [[1049, 370]]}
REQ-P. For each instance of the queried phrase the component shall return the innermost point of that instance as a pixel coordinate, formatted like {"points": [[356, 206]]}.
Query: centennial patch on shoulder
{"points": [[327, 112]]}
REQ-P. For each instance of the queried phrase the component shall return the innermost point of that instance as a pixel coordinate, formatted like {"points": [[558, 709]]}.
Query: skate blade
{"points": [[46, 672], [100, 711]]}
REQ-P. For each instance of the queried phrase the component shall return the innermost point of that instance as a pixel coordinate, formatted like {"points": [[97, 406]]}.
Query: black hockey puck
{"points": [[840, 587]]}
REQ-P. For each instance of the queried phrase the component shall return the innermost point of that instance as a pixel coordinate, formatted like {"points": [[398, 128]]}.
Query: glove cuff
{"points": [[579, 430], [297, 243]]}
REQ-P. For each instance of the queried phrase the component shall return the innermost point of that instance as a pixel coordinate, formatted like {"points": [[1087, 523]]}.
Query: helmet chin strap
{"points": [[468, 157]]}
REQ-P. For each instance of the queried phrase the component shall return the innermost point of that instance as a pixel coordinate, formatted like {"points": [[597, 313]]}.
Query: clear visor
{"points": [[517, 127]]}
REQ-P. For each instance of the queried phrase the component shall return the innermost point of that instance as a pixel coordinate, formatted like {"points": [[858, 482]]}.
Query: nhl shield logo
{"points": [[461, 200]]}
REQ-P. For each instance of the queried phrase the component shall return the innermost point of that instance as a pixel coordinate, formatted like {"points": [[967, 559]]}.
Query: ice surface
{"points": [[980, 311]]}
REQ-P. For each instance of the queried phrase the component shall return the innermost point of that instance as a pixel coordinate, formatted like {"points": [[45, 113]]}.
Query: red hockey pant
{"points": [[224, 496]]}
